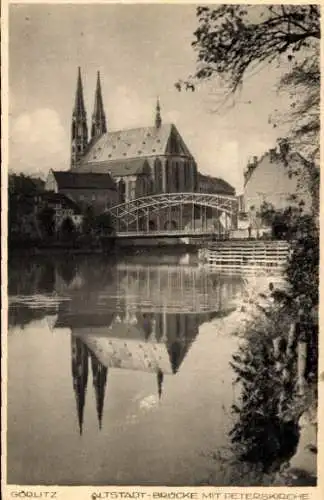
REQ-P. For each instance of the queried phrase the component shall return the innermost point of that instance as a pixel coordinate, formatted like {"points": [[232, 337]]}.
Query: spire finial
{"points": [[99, 126], [79, 108], [158, 119]]}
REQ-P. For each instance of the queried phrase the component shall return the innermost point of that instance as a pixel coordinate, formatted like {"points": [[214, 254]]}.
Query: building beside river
{"points": [[98, 190], [269, 179]]}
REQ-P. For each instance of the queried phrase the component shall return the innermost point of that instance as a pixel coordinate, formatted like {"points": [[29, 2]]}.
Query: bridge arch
{"points": [[142, 211]]}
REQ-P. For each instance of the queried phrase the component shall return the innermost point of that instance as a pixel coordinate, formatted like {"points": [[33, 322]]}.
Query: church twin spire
{"points": [[79, 121], [79, 133], [98, 126]]}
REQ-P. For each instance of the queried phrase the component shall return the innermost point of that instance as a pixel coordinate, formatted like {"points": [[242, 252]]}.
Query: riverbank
{"points": [[296, 464]]}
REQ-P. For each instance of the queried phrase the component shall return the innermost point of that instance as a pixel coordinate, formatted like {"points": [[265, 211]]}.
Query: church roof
{"points": [[215, 184], [133, 143], [72, 180], [116, 168]]}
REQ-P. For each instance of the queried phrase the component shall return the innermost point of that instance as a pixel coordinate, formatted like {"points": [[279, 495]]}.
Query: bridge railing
{"points": [[131, 212]]}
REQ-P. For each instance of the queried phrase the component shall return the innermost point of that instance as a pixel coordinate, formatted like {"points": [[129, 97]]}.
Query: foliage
{"points": [[303, 84], [24, 185], [46, 220], [284, 222], [303, 267], [21, 192], [266, 431], [67, 229], [103, 224], [232, 39], [302, 230], [306, 171]]}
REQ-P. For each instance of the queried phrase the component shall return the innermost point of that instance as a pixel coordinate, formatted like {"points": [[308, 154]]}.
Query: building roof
{"points": [[133, 143], [274, 156], [83, 180], [117, 168], [216, 184], [56, 198]]}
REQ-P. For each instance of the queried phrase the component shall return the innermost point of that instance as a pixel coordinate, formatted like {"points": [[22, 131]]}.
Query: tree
{"points": [[47, 222], [266, 429], [103, 224], [303, 84], [20, 184], [232, 41], [21, 192], [67, 229], [303, 266]]}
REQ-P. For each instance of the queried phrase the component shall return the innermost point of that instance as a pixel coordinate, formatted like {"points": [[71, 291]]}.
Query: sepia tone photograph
{"points": [[163, 244]]}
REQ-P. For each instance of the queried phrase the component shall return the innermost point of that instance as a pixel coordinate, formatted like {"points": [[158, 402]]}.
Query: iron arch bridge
{"points": [[171, 214]]}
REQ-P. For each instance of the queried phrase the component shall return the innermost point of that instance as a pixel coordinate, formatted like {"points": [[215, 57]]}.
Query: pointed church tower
{"points": [[79, 132], [99, 378], [98, 126], [79, 375], [158, 119]]}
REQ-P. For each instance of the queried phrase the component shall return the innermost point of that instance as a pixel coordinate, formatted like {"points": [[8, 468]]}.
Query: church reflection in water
{"points": [[136, 318]]}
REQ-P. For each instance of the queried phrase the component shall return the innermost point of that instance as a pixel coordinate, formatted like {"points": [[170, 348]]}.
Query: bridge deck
{"points": [[172, 233]]}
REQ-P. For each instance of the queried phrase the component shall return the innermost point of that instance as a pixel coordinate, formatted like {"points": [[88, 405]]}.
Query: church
{"points": [[140, 161]]}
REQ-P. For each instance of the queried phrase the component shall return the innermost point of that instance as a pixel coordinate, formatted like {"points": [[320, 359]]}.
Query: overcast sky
{"points": [[141, 51]]}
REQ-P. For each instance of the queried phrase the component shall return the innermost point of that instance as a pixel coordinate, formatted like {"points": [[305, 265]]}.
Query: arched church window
{"points": [[176, 176], [187, 173], [158, 175], [121, 191]]}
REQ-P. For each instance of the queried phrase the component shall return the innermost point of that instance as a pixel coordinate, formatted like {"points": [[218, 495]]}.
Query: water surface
{"points": [[117, 372]]}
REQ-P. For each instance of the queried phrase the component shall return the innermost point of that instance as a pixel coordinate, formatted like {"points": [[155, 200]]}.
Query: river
{"points": [[115, 372], [120, 373]]}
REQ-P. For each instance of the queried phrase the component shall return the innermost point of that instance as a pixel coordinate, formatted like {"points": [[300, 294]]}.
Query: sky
{"points": [[141, 51]]}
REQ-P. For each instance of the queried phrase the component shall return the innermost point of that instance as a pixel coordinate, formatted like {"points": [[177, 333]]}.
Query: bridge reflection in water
{"points": [[143, 318]]}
